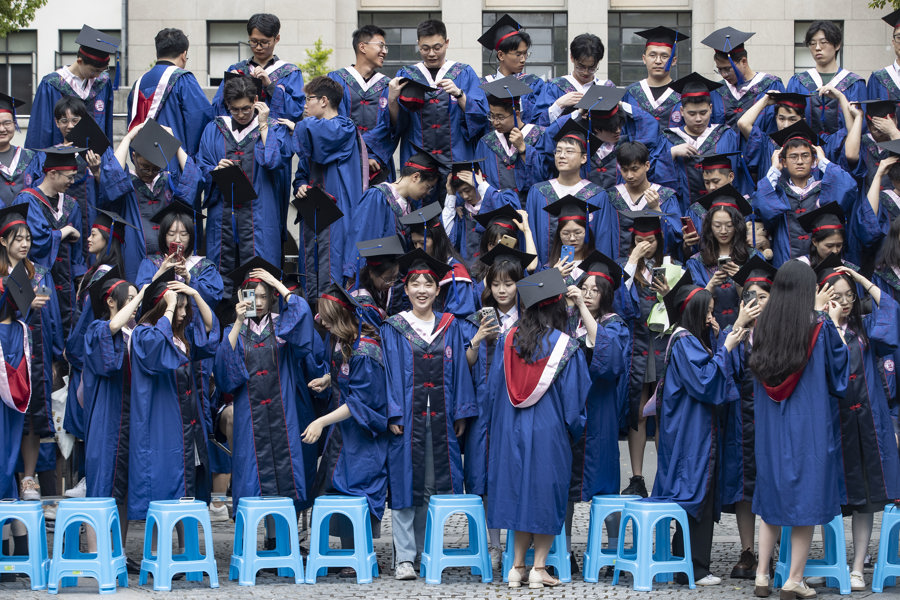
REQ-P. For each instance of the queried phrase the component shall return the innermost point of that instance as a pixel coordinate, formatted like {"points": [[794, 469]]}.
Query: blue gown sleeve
{"points": [[45, 240], [366, 395], [153, 350], [394, 363], [295, 324], [704, 377], [466, 404], [276, 152], [837, 357], [203, 343], [839, 186], [229, 368], [208, 281], [52, 320], [881, 326], [196, 110], [573, 384], [103, 351], [187, 183], [41, 126], [608, 360], [115, 182]]}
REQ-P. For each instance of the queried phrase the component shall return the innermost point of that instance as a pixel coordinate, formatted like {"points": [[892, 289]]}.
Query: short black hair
{"points": [[327, 88], [736, 55], [790, 109], [166, 223], [696, 100], [69, 103], [431, 27], [629, 153], [237, 88], [894, 172], [171, 42], [424, 174], [832, 32], [365, 34], [587, 45], [511, 44], [267, 24]]}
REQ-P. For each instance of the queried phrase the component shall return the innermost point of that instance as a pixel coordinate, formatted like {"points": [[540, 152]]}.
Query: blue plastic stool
{"points": [[559, 557], [35, 565], [68, 563], [165, 514], [361, 558], [246, 560], [888, 565], [595, 557], [436, 558], [833, 567], [648, 517]]}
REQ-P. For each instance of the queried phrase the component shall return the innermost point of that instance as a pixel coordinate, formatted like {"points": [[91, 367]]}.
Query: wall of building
{"points": [[65, 14]]}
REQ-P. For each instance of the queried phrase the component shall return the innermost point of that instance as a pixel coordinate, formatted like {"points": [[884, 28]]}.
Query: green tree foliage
{"points": [[318, 61], [879, 4], [15, 14]]}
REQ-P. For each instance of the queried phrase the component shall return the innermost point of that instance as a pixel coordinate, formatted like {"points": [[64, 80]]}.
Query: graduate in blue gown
{"points": [[374, 284], [280, 82], [354, 461], [885, 82], [261, 147], [167, 456], [257, 363], [653, 94], [87, 78], [430, 397], [538, 385], [19, 167], [801, 364], [170, 94], [696, 380], [329, 148]]}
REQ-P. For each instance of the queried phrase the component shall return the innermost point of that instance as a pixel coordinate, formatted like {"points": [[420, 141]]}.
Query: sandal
{"points": [[538, 578], [515, 576]]}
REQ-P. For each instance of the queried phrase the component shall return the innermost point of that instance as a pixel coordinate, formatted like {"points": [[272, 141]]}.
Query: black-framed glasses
{"points": [[260, 43]]}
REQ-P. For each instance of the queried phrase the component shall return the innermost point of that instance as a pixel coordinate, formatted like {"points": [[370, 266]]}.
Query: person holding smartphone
{"points": [[509, 227], [573, 239]]}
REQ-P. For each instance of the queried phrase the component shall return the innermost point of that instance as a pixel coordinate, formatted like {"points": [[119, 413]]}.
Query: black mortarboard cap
{"points": [[318, 209], [240, 275], [601, 100], [727, 195], [17, 287], [96, 44], [678, 297], [880, 107], [100, 289], [662, 35], [412, 95], [61, 157], [293, 282], [338, 294], [892, 19], [500, 253], [644, 222], [892, 146], [256, 80], [504, 215], [541, 286], [694, 84], [155, 144], [9, 104], [386, 248], [473, 165], [573, 129], [15, 213], [113, 223], [233, 184], [424, 160], [793, 100], [601, 265], [570, 207], [825, 270], [505, 27], [429, 214], [156, 290], [709, 162], [727, 39], [419, 260], [756, 269], [506, 89], [800, 129], [179, 207], [89, 135], [828, 216]]}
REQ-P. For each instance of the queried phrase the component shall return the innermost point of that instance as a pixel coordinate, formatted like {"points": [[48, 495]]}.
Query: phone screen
{"points": [[249, 296]]}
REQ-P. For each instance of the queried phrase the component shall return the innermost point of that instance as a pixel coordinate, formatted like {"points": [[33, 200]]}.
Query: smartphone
{"points": [[489, 312], [724, 260], [659, 273], [508, 241], [749, 296], [687, 225], [177, 250], [249, 296], [567, 253]]}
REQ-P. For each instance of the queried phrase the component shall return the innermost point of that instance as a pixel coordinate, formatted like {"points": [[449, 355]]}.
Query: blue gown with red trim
{"points": [[262, 374], [284, 96], [824, 113], [27, 171], [42, 130], [12, 338], [530, 462], [725, 295], [422, 375]]}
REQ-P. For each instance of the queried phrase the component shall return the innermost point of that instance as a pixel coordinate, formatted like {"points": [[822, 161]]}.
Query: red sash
{"points": [[19, 386], [521, 378], [783, 390], [143, 109]]}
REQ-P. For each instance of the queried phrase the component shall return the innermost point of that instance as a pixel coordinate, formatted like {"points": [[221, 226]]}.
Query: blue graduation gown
{"points": [[261, 374], [376, 215], [42, 130], [24, 171], [167, 425], [671, 222], [552, 91], [533, 103], [514, 171], [824, 114], [530, 462], [881, 86], [734, 108], [205, 276], [727, 300], [107, 399], [467, 232], [720, 139], [12, 340], [355, 459], [259, 222], [806, 428], [183, 105], [695, 383], [418, 371], [603, 223], [639, 94], [329, 157], [285, 96], [45, 329], [736, 419]]}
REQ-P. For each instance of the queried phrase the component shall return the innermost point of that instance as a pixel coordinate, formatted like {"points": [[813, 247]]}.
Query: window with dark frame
{"points": [[803, 60], [17, 67], [399, 35], [549, 43], [625, 48], [68, 49], [226, 44]]}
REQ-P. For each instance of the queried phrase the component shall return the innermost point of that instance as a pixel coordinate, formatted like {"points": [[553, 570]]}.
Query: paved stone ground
{"points": [[457, 583]]}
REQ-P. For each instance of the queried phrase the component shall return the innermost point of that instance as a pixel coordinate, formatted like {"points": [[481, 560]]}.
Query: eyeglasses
{"points": [[240, 110], [592, 291], [822, 43], [722, 70], [64, 121], [805, 156], [381, 45], [518, 54], [585, 69], [897, 38], [848, 298], [429, 49], [7, 125], [571, 235], [260, 43], [722, 226], [655, 57], [498, 118], [566, 152]]}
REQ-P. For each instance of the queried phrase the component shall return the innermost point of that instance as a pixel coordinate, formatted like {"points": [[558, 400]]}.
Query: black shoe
{"points": [[636, 487], [269, 544], [132, 566], [746, 566], [573, 563], [680, 578]]}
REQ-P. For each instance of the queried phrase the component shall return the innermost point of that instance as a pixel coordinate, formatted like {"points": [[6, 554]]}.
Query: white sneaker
{"points": [[218, 513], [815, 581], [30, 489], [709, 580], [79, 491], [857, 582], [405, 572], [496, 558]]}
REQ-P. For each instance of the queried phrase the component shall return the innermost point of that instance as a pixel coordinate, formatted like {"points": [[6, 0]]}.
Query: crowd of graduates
{"points": [[548, 268]]}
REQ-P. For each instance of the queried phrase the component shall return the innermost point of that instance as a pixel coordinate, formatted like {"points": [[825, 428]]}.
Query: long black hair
{"points": [[784, 330], [498, 270], [441, 246], [119, 295], [855, 318], [605, 290], [535, 325], [657, 257], [165, 225], [693, 317], [491, 237], [889, 255], [111, 256], [366, 283], [818, 237], [709, 245], [556, 246]]}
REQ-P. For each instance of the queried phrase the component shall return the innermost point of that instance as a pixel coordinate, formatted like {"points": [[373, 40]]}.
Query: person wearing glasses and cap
{"points": [[19, 167], [560, 95], [280, 82], [374, 285], [653, 94], [885, 82], [87, 78], [825, 40], [365, 100]]}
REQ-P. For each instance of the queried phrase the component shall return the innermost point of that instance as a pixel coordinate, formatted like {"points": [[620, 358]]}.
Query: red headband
{"points": [[723, 203], [716, 166], [603, 275], [827, 227], [500, 41], [160, 297], [86, 54], [829, 276], [688, 299], [644, 233], [795, 105], [112, 287], [60, 168], [421, 272], [109, 231], [550, 301], [573, 218], [410, 163], [609, 113], [10, 224], [695, 95], [574, 136], [759, 279], [338, 300], [798, 137], [507, 225], [658, 44], [251, 280], [4, 110]]}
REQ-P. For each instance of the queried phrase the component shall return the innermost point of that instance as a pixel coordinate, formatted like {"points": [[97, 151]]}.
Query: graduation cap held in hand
{"points": [[88, 134], [317, 209], [155, 144]]}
